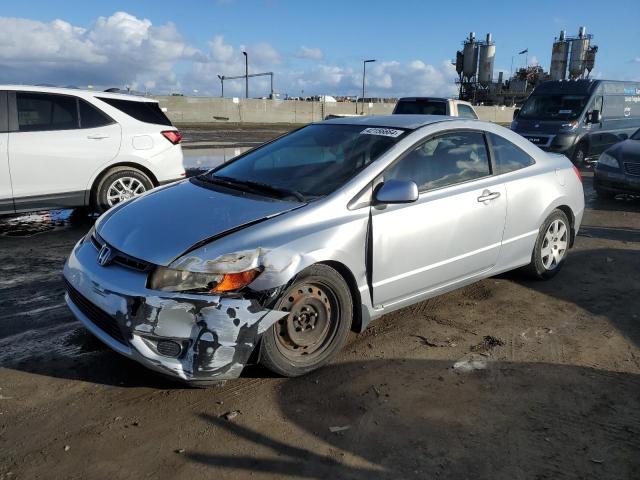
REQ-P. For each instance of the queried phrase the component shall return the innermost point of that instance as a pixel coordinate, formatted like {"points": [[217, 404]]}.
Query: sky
{"points": [[313, 48]]}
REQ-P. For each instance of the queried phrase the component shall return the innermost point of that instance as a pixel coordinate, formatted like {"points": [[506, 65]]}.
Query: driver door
{"points": [[452, 232]]}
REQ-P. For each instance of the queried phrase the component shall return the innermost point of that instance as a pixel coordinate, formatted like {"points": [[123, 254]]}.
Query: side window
{"points": [[445, 160], [91, 117], [466, 111], [44, 111], [508, 157]]}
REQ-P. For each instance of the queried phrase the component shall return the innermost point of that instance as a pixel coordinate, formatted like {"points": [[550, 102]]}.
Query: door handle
{"points": [[97, 136], [487, 196]]}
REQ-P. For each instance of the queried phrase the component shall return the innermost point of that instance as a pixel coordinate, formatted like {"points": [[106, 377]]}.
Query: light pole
{"points": [[221, 77], [364, 74], [246, 74]]}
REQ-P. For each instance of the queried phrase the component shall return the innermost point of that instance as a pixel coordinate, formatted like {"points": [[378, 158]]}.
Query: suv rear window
{"points": [[147, 112], [421, 107]]}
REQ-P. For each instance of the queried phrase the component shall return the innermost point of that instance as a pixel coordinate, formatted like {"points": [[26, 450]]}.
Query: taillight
{"points": [[577, 172], [174, 136]]}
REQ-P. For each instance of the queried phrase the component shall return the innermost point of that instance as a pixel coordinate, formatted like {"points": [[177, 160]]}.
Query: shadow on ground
{"points": [[421, 419], [603, 282]]}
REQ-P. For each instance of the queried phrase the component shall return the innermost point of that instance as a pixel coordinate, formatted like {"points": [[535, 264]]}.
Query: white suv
{"points": [[63, 147]]}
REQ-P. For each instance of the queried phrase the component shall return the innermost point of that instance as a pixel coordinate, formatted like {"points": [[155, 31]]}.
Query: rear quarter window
{"points": [[147, 112], [508, 157]]}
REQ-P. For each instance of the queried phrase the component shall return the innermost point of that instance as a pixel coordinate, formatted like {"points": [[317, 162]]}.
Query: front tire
{"points": [[552, 245], [580, 155], [317, 327], [120, 184]]}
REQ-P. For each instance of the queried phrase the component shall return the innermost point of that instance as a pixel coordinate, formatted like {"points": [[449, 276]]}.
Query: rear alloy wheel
{"points": [[551, 246], [119, 185], [320, 313]]}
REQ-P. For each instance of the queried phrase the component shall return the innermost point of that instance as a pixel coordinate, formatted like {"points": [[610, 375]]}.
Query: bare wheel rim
{"points": [[312, 322], [554, 244], [124, 188]]}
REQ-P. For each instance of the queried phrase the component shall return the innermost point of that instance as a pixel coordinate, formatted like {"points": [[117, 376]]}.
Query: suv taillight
{"points": [[174, 136]]}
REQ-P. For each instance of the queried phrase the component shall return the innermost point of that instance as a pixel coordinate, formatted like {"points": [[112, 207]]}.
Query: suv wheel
{"points": [[118, 185]]}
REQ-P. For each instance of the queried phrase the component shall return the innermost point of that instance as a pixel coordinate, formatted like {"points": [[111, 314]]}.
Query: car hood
{"points": [[539, 126], [162, 225], [627, 151]]}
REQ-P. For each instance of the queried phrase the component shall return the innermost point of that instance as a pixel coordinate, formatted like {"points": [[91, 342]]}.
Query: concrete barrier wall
{"points": [[228, 110]]}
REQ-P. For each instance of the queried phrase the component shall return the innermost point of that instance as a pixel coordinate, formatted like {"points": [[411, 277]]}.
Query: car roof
{"points": [[410, 122], [77, 91], [413, 99]]}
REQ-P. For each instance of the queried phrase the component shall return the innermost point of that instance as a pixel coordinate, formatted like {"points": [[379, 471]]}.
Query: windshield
{"points": [[421, 107], [553, 107], [310, 162], [636, 136]]}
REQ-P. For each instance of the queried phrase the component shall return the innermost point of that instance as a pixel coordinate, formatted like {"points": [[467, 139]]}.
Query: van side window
{"points": [[466, 111], [444, 160], [508, 157], [45, 111], [91, 117]]}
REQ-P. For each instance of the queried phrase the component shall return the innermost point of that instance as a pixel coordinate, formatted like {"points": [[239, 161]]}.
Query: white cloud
{"points": [[310, 53], [123, 49]]}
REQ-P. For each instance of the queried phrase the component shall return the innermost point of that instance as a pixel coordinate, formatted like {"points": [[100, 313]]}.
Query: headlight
{"points": [[608, 160], [567, 127], [170, 280]]}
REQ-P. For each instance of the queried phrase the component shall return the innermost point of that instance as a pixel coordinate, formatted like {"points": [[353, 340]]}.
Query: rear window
{"points": [[421, 107], [147, 112]]}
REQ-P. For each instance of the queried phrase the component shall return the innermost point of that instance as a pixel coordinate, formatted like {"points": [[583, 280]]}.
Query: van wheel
{"points": [[319, 321], [552, 245], [579, 154], [120, 184]]}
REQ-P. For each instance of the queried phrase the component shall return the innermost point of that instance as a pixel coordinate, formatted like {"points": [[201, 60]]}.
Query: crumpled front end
{"points": [[196, 338]]}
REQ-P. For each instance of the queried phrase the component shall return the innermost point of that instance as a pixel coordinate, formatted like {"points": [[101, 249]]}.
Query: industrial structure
{"points": [[571, 58]]}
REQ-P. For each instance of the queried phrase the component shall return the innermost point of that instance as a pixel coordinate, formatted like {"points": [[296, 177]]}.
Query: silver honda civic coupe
{"points": [[275, 256]]}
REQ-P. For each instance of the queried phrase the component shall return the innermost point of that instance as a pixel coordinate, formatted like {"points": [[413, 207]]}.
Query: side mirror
{"points": [[515, 113], [623, 136], [595, 117], [396, 191]]}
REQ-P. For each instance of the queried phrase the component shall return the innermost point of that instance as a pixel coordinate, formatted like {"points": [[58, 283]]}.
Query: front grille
{"points": [[98, 317], [632, 168], [120, 258]]}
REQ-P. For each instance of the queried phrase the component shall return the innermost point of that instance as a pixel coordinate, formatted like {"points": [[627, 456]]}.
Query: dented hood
{"points": [[163, 224]]}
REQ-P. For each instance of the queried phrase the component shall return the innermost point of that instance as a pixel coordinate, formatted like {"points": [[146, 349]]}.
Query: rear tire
{"points": [[550, 251], [317, 327], [119, 184]]}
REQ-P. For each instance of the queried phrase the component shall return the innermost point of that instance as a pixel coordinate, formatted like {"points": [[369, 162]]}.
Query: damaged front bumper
{"points": [[195, 338]]}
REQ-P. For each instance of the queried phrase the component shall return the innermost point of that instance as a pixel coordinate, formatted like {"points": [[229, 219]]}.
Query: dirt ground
{"points": [[506, 379]]}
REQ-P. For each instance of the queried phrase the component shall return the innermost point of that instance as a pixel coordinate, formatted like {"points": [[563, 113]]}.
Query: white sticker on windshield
{"points": [[385, 132]]}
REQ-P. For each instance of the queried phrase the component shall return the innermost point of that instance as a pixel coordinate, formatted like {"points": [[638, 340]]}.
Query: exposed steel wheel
{"points": [[312, 321], [319, 320]]}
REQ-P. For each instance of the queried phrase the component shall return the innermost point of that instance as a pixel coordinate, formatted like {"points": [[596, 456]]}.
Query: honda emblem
{"points": [[104, 256]]}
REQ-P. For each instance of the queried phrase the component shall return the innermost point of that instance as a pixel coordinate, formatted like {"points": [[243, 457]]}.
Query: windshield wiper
{"points": [[258, 186]]}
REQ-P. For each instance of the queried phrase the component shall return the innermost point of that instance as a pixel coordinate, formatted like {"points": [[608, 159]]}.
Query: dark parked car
{"points": [[618, 169]]}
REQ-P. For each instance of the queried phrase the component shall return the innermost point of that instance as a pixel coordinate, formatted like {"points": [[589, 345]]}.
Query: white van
{"points": [[62, 147]]}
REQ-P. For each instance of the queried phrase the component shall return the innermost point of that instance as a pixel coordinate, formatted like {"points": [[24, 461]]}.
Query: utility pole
{"points": [[364, 74], [246, 74], [221, 77]]}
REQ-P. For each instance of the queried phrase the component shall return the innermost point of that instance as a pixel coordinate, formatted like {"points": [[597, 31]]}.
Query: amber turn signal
{"points": [[235, 281]]}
